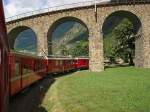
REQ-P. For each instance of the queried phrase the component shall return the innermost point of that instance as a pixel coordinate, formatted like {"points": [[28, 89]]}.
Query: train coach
{"points": [[25, 69], [66, 64], [82, 63], [60, 64]]}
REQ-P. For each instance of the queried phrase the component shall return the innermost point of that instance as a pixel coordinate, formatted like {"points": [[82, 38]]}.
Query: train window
{"points": [[27, 71], [17, 68], [61, 62], [27, 68], [41, 65], [57, 62]]}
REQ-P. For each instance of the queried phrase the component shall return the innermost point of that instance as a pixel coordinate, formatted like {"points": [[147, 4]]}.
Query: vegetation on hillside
{"points": [[26, 42], [120, 42], [73, 42]]}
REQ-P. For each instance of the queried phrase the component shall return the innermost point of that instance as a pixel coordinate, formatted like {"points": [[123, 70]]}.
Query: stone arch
{"points": [[137, 25], [15, 32], [59, 21]]}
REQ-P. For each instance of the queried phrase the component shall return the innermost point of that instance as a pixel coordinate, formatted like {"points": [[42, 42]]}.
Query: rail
{"points": [[75, 5]]}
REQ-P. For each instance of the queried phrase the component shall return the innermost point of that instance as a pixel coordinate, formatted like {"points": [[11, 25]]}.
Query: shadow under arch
{"points": [[15, 32], [56, 24], [114, 19]]}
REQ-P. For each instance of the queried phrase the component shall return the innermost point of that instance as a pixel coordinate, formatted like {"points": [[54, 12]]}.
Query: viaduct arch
{"points": [[22, 32], [59, 22], [137, 29]]}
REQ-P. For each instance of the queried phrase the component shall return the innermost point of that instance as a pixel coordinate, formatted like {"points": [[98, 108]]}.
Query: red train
{"points": [[25, 70]]}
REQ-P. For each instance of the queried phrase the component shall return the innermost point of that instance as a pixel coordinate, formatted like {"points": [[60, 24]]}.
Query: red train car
{"points": [[25, 70], [82, 63], [4, 49], [60, 65]]}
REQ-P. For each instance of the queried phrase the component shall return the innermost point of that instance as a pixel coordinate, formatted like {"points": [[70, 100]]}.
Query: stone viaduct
{"points": [[93, 18]]}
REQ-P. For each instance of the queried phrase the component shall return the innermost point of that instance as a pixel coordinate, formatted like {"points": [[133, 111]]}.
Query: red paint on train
{"points": [[4, 83], [25, 70], [82, 63]]}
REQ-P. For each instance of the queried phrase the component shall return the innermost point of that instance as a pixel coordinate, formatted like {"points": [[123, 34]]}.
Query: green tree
{"points": [[64, 50], [81, 48], [125, 47], [120, 42], [110, 43]]}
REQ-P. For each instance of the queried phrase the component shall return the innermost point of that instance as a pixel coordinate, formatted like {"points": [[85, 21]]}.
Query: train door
{"points": [[16, 79]]}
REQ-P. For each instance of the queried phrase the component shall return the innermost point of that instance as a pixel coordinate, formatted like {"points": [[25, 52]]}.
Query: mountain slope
{"points": [[70, 38]]}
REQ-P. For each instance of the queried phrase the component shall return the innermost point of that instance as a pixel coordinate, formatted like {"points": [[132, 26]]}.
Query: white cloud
{"points": [[14, 7], [10, 10]]}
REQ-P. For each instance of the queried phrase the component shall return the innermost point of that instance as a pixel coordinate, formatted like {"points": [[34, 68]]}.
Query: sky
{"points": [[14, 7]]}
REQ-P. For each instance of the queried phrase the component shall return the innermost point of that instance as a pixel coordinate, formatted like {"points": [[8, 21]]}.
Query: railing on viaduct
{"points": [[76, 5]]}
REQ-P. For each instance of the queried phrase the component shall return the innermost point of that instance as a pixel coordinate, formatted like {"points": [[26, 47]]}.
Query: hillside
{"points": [[111, 23], [69, 38], [26, 42]]}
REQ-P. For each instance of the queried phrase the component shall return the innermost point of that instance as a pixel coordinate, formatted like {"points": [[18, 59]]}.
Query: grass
{"points": [[124, 89]]}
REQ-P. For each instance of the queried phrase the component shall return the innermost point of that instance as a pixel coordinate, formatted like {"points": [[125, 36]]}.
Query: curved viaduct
{"points": [[93, 18]]}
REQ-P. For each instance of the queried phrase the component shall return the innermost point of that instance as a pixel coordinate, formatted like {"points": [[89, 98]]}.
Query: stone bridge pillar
{"points": [[96, 49], [142, 52], [42, 48], [146, 41]]}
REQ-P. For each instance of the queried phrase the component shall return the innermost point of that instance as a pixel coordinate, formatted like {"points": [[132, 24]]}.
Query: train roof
{"points": [[40, 57], [66, 57], [82, 58], [26, 55], [59, 57], [51, 57]]}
